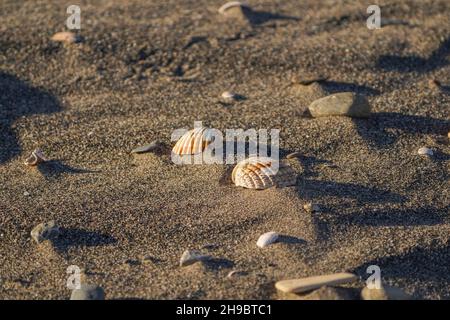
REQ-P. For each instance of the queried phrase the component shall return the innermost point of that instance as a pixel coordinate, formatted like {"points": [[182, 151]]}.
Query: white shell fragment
{"points": [[190, 257], [68, 37], [425, 151], [230, 5], [267, 239], [194, 141], [37, 156], [262, 173]]}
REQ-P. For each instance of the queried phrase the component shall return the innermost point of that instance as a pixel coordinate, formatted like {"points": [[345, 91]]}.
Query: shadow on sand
{"points": [[19, 99]]}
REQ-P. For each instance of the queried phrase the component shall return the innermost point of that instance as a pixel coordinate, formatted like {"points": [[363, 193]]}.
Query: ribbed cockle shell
{"points": [[262, 173], [194, 141]]}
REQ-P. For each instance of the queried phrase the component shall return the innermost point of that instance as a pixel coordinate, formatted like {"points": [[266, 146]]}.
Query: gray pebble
{"points": [[45, 231], [341, 104], [88, 292]]}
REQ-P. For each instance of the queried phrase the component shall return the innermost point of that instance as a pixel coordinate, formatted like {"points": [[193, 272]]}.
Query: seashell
{"points": [[45, 231], [37, 156], [68, 37], [231, 4], [236, 273], [260, 173], [190, 257], [266, 239], [193, 142], [152, 147], [425, 151], [294, 155]]}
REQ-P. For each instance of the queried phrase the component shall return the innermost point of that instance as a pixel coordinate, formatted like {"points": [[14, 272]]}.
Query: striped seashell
{"points": [[260, 173], [193, 142]]}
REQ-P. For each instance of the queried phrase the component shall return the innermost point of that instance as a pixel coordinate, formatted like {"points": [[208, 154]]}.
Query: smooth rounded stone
{"points": [[312, 283], [341, 104], [68, 37], [88, 292], [311, 207], [424, 151], [151, 147], [45, 231], [236, 273], [384, 293], [267, 239], [191, 256], [328, 293]]}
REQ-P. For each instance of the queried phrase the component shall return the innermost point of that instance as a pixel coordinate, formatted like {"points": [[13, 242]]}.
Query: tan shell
{"points": [[65, 36], [259, 173], [194, 141]]}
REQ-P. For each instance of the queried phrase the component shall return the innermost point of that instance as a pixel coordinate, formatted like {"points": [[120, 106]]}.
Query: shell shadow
{"points": [[19, 99], [413, 63], [374, 131], [74, 237], [56, 168], [256, 17]]}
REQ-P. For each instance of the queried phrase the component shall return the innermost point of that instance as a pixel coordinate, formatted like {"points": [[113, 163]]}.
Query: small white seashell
{"points": [[266, 239], [194, 141], [262, 173], [425, 151], [190, 257], [230, 5], [37, 156]]}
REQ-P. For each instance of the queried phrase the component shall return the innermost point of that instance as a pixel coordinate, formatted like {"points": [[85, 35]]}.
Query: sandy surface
{"points": [[146, 68]]}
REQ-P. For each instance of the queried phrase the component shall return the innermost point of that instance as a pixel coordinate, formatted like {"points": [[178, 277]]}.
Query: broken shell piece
{"points": [[425, 151], [68, 37], [190, 257], [231, 4], [37, 156], [262, 173], [267, 239], [293, 155], [236, 273], [194, 141], [154, 146]]}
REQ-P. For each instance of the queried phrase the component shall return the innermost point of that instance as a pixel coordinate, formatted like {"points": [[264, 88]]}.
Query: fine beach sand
{"points": [[146, 68]]}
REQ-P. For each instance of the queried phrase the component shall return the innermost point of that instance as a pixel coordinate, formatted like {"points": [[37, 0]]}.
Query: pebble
{"points": [[154, 146], [68, 37], [26, 193], [311, 207], [425, 151], [88, 292], [293, 155], [190, 257], [384, 293], [45, 231], [312, 283], [341, 104], [267, 239], [236, 273]]}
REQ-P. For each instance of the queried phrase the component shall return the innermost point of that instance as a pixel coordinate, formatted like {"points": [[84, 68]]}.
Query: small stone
{"points": [[293, 155], [68, 37], [384, 293], [341, 104], [424, 151], [45, 231], [311, 207], [88, 292], [36, 157], [312, 283], [267, 239], [154, 146], [26, 193], [190, 257], [236, 273], [328, 293]]}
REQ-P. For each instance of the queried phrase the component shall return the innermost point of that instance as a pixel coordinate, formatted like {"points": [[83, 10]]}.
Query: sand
{"points": [[146, 68]]}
